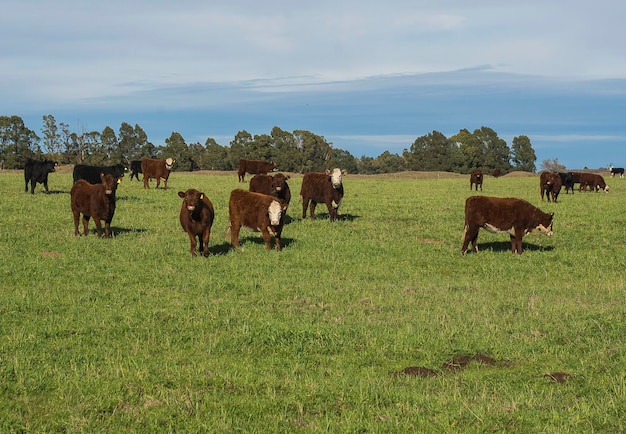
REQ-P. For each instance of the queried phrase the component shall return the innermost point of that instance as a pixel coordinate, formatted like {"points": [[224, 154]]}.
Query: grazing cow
{"points": [[256, 211], [37, 172], [196, 218], [94, 200], [550, 183], [476, 177], [273, 185], [513, 216], [135, 169], [594, 181], [159, 169], [254, 167], [91, 174], [617, 171], [567, 180], [322, 187]]}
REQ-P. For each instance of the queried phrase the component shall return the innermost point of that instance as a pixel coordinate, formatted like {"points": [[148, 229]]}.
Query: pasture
{"points": [[132, 334]]}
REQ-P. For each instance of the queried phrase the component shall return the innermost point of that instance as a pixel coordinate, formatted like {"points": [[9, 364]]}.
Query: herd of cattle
{"points": [[264, 205]]}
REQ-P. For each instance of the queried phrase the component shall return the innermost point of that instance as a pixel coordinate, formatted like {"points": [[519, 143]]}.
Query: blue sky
{"points": [[368, 76]]}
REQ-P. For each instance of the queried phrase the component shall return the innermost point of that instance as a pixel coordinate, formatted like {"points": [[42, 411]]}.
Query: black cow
{"points": [[567, 180], [37, 172], [91, 174], [617, 171], [135, 169]]}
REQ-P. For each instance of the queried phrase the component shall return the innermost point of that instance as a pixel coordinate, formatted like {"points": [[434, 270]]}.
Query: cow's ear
{"points": [[119, 180], [201, 196], [344, 172], [287, 177], [327, 172], [181, 194]]}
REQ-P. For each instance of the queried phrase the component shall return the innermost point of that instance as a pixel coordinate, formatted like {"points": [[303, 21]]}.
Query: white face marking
{"points": [[168, 163], [544, 230], [336, 177], [274, 211]]}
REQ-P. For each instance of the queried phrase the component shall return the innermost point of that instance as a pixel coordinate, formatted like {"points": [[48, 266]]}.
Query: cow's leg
{"points": [[145, 181], [481, 187], [470, 234], [85, 225], [76, 218], [165, 184], [158, 181], [516, 242], [234, 233], [96, 220], [107, 229], [193, 243], [312, 209], [32, 186], [305, 205], [204, 241], [267, 238], [45, 185], [332, 211]]}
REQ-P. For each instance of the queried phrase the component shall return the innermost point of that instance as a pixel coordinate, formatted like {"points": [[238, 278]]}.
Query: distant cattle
{"points": [[594, 181], [158, 169], [94, 200], [617, 171], [273, 185], [254, 167], [567, 180], [37, 172], [196, 218], [496, 173], [322, 187], [135, 169], [476, 178], [550, 183], [514, 216], [91, 174], [256, 211]]}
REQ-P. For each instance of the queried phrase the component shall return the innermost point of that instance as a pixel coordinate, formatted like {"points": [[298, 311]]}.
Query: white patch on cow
{"points": [[544, 230], [274, 211], [336, 177], [335, 204], [491, 228], [606, 189]]}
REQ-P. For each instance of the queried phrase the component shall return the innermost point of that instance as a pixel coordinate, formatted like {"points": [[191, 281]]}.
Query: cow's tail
{"points": [[464, 233]]}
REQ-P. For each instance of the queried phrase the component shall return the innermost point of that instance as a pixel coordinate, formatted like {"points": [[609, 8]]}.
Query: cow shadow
{"points": [[505, 246], [284, 242], [340, 217], [116, 231]]}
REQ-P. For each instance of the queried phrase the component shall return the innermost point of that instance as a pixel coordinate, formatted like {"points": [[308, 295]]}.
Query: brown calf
{"points": [[94, 200], [196, 218], [273, 185], [550, 183], [320, 187], [159, 169], [594, 181], [476, 177], [256, 211], [254, 167], [513, 216]]}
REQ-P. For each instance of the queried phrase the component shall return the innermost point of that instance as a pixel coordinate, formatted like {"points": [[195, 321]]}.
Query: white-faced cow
{"points": [[37, 172], [94, 200], [616, 171], [256, 211], [594, 181], [322, 187], [158, 169], [91, 174], [550, 184], [476, 178], [254, 167], [196, 218], [514, 216]]}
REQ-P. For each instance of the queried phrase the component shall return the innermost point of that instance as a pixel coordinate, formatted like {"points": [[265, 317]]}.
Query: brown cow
{"points": [[159, 169], [256, 211], [550, 183], [94, 200], [476, 177], [513, 216], [594, 181], [254, 167], [196, 218], [273, 185], [322, 187]]}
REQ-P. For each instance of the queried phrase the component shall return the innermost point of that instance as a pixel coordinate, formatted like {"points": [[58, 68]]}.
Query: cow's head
{"points": [[336, 176], [191, 198], [545, 225], [50, 166], [275, 212], [606, 188], [279, 181], [110, 183], [169, 162]]}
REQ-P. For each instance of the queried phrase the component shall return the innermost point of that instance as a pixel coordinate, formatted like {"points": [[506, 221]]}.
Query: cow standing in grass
{"points": [[91, 174], [476, 179], [322, 187], [37, 172], [158, 169], [94, 200], [254, 167], [550, 184], [616, 171], [256, 211], [196, 218], [273, 185]]}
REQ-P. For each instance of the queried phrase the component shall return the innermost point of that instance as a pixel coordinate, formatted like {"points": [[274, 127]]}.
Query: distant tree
{"points": [[431, 152], [344, 160], [175, 147], [471, 149], [51, 137], [109, 144], [215, 156], [240, 147], [65, 142], [522, 154], [284, 150], [390, 163], [17, 142], [552, 165], [497, 154], [366, 165], [315, 151]]}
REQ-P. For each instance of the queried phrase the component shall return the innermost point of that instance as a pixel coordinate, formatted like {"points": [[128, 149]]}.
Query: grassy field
{"points": [[132, 334]]}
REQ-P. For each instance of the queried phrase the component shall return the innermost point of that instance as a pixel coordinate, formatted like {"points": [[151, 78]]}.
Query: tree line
{"points": [[299, 151]]}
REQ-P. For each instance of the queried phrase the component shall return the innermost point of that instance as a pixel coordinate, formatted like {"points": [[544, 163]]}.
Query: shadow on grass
{"points": [[505, 246], [258, 239], [340, 217]]}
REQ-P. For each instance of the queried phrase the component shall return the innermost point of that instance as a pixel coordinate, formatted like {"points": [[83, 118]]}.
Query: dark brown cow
{"points": [[513, 216], [94, 200], [37, 172], [256, 211], [476, 177], [273, 185], [254, 167], [322, 187], [159, 169], [550, 183], [196, 218], [594, 181], [496, 173]]}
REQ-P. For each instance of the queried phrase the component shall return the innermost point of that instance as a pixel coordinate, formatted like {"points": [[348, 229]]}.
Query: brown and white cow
{"points": [[158, 169], [196, 218], [550, 183], [94, 200], [594, 181], [476, 178], [514, 216], [275, 185], [254, 167], [256, 211], [322, 187]]}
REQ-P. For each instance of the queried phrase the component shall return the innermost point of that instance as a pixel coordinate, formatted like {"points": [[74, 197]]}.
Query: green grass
{"points": [[132, 334]]}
